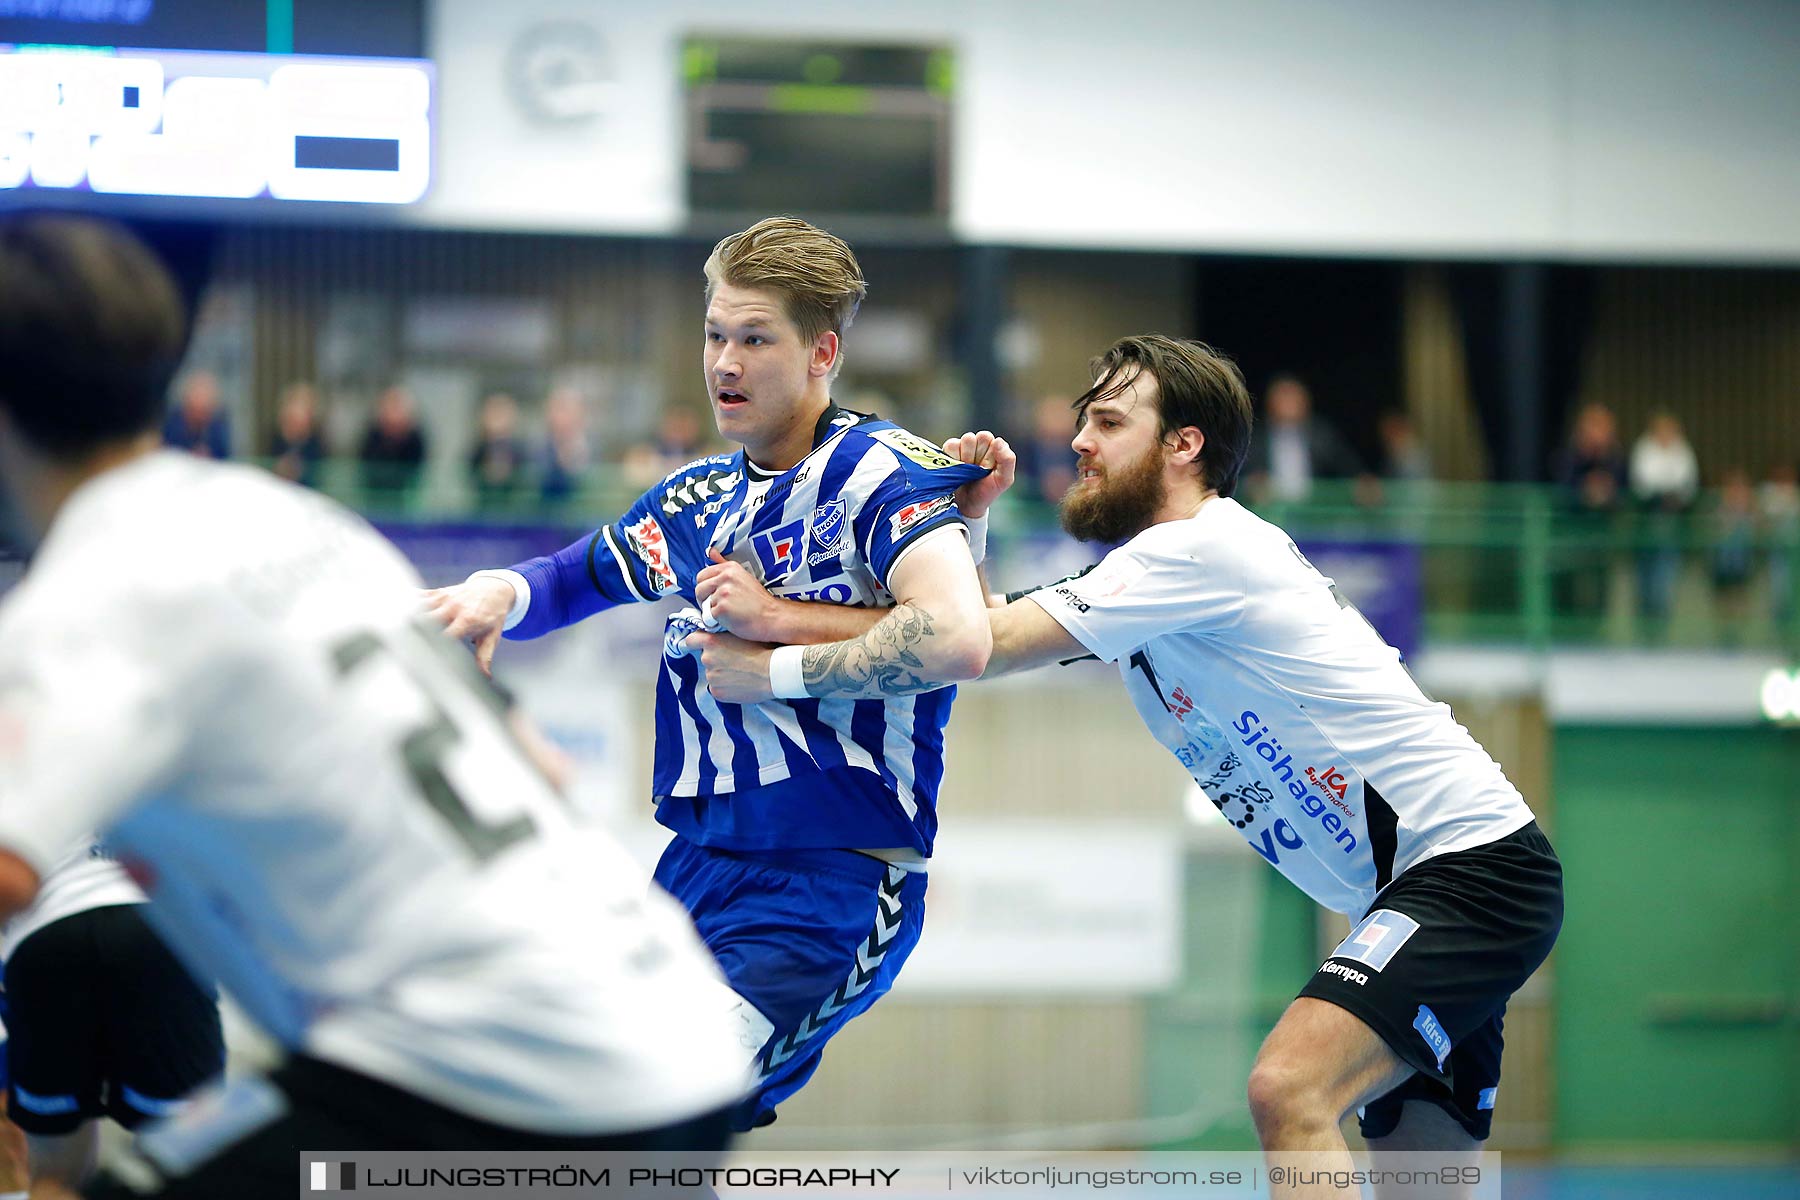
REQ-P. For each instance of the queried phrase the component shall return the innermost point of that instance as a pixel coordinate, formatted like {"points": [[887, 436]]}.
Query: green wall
{"points": [[1249, 952], [1678, 971], [1676, 980]]}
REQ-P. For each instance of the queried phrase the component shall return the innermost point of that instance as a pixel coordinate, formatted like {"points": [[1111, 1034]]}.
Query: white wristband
{"points": [[520, 606], [787, 678], [15, 1196], [977, 527]]}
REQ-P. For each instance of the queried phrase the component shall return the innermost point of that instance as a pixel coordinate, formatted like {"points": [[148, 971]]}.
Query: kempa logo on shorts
{"points": [[1350, 976], [333, 1177]]}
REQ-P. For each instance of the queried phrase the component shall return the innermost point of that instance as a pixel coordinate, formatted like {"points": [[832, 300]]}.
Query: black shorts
{"points": [[104, 1021], [244, 1141], [1432, 964]]}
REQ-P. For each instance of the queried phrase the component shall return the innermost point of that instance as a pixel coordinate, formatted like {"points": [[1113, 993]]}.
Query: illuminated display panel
{"points": [[843, 129], [374, 28], [194, 123]]}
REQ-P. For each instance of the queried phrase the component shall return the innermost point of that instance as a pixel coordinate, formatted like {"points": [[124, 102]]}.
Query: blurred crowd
{"points": [[1641, 501], [1293, 449], [1652, 491], [519, 456], [1647, 497]]}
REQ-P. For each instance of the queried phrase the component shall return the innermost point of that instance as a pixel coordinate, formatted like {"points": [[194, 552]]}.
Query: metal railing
{"points": [[1513, 564]]}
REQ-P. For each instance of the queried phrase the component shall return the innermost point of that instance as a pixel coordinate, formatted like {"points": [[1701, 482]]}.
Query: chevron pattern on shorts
{"points": [[869, 956]]}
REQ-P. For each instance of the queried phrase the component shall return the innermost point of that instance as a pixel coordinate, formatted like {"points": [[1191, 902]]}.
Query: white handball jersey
{"points": [[1289, 710], [223, 673], [84, 878]]}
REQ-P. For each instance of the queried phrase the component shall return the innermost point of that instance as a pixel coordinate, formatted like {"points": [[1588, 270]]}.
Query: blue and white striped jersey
{"points": [[784, 774]]}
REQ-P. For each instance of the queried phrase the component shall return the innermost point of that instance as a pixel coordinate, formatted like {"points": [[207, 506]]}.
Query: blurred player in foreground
{"points": [[223, 673], [101, 1019], [1312, 739], [803, 825]]}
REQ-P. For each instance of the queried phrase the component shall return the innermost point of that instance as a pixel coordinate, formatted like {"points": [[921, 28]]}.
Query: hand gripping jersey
{"points": [[1286, 706], [784, 774], [225, 676]]}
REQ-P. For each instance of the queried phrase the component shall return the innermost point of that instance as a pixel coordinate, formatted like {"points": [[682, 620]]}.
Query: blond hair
{"points": [[815, 273]]}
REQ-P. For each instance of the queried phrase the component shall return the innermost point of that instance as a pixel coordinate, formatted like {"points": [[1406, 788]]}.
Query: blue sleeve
{"points": [[911, 502], [628, 561]]}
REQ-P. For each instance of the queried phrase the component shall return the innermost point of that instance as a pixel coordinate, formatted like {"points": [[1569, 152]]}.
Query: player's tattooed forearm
{"points": [[883, 662]]}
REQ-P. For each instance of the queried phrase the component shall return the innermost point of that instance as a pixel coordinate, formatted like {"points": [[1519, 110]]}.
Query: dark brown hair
{"points": [[1195, 385], [92, 328]]}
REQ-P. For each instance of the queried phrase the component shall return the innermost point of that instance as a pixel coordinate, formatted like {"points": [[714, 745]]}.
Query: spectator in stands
{"points": [[1591, 468], [1778, 501], [679, 440], [497, 463], [1591, 472], [197, 423], [1734, 534], [568, 452], [1046, 464], [1293, 447], [298, 448], [679, 437], [393, 450], [1403, 452], [1665, 478]]}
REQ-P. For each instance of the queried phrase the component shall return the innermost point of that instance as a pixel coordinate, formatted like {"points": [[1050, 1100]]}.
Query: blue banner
{"points": [[447, 552], [1385, 581]]}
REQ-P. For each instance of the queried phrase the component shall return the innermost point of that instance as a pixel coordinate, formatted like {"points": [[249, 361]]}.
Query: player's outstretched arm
{"points": [[475, 610], [628, 562], [936, 634], [730, 593], [1025, 636]]}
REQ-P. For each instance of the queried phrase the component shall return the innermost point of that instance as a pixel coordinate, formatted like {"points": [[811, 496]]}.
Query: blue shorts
{"points": [[810, 938]]}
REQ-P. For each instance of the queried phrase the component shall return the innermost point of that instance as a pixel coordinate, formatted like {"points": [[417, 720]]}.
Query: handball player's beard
{"points": [[1118, 505]]}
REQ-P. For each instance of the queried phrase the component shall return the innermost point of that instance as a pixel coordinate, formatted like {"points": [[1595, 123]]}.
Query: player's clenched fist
{"points": [[989, 450], [474, 610], [735, 598], [736, 671]]}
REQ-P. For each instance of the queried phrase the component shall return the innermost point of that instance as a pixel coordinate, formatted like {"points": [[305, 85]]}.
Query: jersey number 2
{"points": [[423, 749]]}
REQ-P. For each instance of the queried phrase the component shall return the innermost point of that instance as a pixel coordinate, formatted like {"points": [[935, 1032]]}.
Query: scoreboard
{"points": [[213, 117], [365, 28], [838, 129]]}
